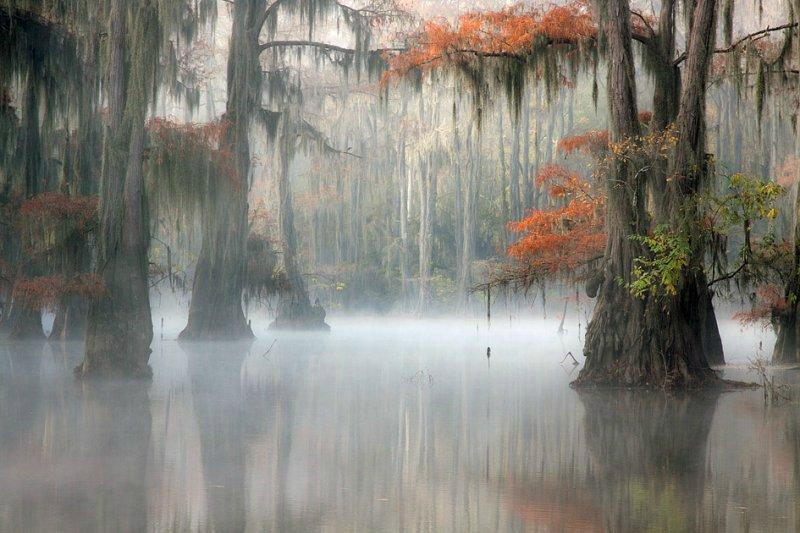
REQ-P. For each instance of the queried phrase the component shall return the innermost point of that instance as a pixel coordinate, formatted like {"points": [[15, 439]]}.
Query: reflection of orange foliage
{"points": [[769, 302], [591, 143], [554, 508], [512, 31], [60, 208], [558, 240], [47, 291]]}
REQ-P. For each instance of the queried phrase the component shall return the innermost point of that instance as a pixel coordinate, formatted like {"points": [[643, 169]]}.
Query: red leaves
{"points": [[60, 209], [769, 302], [558, 240], [590, 143], [46, 291], [183, 142], [511, 31], [208, 135]]}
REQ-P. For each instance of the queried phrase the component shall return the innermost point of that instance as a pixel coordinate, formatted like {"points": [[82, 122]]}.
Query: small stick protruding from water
{"points": [[488, 306], [574, 361], [561, 329], [270, 347], [162, 328]]}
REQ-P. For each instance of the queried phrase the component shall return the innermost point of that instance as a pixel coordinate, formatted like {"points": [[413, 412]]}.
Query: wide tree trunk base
{"points": [[299, 325], [646, 343], [209, 329], [102, 371], [296, 313], [786, 349], [70, 322], [107, 358], [709, 330], [25, 325], [119, 331]]}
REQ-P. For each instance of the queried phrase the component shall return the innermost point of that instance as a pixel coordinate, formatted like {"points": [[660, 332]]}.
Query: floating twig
{"points": [[270, 347]]}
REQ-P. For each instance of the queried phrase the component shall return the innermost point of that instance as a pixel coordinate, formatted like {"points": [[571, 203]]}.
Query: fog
{"points": [[385, 425], [399, 265]]}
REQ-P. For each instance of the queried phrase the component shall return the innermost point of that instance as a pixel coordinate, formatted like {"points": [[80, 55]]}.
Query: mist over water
{"points": [[385, 425]]}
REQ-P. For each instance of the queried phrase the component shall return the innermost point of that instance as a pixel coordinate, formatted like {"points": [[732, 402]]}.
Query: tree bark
{"points": [[25, 323], [427, 206], [294, 309], [787, 348], [468, 220], [666, 106], [120, 326], [645, 341], [215, 311]]}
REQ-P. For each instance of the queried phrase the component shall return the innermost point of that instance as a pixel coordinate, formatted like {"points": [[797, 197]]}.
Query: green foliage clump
{"points": [[748, 199], [659, 271]]}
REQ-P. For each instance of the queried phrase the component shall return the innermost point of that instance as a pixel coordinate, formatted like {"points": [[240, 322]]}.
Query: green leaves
{"points": [[659, 271], [748, 199]]}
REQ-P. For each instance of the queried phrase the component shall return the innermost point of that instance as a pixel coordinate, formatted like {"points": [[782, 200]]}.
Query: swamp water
{"points": [[387, 425]]}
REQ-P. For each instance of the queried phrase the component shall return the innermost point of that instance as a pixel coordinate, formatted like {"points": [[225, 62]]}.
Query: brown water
{"points": [[386, 426]]}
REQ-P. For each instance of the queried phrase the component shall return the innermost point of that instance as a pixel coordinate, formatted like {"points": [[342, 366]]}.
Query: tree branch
{"points": [[678, 60]]}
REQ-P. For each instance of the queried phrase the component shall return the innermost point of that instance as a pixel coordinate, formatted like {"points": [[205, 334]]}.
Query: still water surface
{"points": [[386, 426]]}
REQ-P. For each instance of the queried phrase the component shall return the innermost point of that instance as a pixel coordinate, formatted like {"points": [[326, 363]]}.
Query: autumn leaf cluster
{"points": [[514, 31], [557, 240], [45, 292], [79, 212]]}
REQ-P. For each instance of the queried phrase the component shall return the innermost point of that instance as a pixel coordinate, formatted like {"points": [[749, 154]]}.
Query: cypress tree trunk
{"points": [[25, 323], [70, 319], [216, 307], [787, 350], [690, 170], [403, 195], [666, 103], [651, 341], [120, 327], [294, 309], [468, 220], [427, 206]]}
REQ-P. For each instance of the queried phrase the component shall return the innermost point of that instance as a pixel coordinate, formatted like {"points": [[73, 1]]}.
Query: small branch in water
{"points": [[773, 392], [270, 347], [574, 361], [561, 329]]}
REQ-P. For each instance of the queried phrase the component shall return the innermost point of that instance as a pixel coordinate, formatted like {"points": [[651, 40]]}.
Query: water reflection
{"points": [[648, 458], [382, 426], [72, 455]]}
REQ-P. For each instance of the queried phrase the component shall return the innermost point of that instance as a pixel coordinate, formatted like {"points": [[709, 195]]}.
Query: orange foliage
{"points": [[60, 208], [513, 31], [769, 302], [591, 143], [560, 183], [558, 240], [46, 291]]}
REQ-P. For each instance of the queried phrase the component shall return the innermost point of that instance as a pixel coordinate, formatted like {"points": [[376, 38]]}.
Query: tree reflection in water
{"points": [[377, 429]]}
